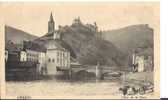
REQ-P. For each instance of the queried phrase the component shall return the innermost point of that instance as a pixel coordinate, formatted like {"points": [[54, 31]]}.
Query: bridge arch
{"points": [[84, 75]]}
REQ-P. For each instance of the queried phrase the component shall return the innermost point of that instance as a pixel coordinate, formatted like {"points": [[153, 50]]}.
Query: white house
{"points": [[35, 53], [32, 55], [57, 58], [139, 60], [23, 56]]}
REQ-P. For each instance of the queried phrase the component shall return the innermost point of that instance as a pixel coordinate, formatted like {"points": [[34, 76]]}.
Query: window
{"points": [[58, 54], [49, 60], [53, 60], [61, 62], [57, 60]]}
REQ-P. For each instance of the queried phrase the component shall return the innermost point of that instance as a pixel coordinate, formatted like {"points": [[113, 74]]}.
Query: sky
{"points": [[32, 17]]}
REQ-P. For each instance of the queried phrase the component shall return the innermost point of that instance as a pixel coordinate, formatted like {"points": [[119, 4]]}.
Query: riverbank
{"points": [[140, 76]]}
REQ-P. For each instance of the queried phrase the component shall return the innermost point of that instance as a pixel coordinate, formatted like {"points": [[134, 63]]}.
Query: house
{"points": [[12, 52], [35, 53], [57, 58], [139, 60], [148, 63], [142, 62], [17, 67]]}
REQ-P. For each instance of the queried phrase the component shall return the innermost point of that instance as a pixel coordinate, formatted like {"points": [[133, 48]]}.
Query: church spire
{"points": [[51, 24], [51, 17]]}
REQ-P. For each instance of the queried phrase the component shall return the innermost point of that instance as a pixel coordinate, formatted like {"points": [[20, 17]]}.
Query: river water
{"points": [[55, 87]]}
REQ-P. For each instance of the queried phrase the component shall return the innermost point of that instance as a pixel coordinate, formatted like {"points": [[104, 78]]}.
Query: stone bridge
{"points": [[96, 70]]}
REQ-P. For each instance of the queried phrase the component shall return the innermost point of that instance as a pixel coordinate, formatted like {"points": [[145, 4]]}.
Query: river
{"points": [[54, 87]]}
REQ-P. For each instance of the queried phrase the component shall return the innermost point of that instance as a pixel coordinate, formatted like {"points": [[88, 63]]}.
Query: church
{"points": [[57, 57]]}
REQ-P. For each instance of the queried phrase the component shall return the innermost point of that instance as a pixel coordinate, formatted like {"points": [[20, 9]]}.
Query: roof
{"points": [[46, 39], [48, 36], [33, 46], [54, 44], [51, 17]]}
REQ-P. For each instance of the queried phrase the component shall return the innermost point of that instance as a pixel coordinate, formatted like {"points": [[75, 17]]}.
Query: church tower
{"points": [[51, 24]]}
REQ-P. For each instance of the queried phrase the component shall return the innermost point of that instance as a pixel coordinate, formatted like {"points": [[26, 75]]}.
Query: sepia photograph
{"points": [[67, 50]]}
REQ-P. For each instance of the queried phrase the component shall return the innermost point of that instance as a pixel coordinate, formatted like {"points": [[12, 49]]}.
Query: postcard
{"points": [[83, 50]]}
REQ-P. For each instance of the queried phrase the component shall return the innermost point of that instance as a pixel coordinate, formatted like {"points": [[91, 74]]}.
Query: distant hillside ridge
{"points": [[16, 35], [132, 37]]}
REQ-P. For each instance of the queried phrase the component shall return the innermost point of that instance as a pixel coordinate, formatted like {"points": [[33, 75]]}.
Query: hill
{"points": [[16, 35], [132, 37]]}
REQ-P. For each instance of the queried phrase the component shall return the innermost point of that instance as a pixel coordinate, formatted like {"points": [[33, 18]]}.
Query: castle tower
{"points": [[51, 24], [77, 21], [96, 28]]}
